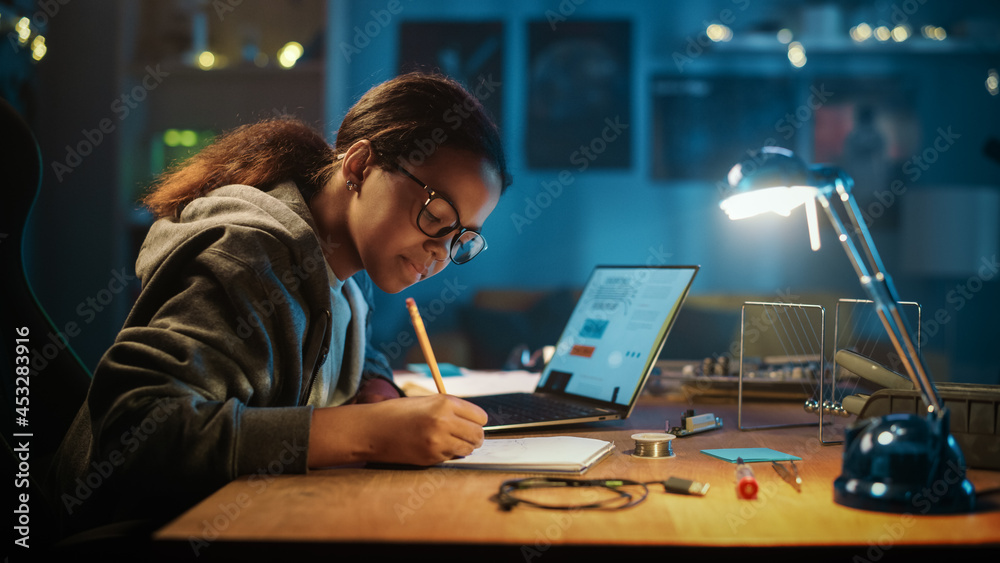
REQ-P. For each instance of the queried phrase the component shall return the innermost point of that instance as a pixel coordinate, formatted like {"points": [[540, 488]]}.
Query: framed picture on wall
{"points": [[703, 125], [469, 52], [579, 95]]}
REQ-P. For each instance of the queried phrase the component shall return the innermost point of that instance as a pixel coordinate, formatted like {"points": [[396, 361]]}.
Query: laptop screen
{"points": [[616, 331]]}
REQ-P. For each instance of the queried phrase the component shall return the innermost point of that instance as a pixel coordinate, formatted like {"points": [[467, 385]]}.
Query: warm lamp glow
{"points": [[780, 200]]}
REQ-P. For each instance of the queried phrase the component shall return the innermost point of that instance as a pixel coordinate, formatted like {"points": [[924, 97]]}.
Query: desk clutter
{"points": [[691, 495], [783, 356], [573, 454]]}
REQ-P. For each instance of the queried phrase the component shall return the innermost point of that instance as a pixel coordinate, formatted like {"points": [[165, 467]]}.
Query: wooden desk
{"points": [[431, 509]]}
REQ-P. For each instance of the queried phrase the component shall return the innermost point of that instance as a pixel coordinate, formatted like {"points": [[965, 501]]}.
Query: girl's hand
{"points": [[410, 430], [426, 430]]}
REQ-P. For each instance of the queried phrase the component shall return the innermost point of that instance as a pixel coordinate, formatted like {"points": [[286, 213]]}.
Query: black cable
{"points": [[507, 498]]}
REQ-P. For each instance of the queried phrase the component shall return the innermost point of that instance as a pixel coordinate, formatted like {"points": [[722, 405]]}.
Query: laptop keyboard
{"points": [[514, 408]]}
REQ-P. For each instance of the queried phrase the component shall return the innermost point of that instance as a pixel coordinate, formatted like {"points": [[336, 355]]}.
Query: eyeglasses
{"points": [[438, 217]]}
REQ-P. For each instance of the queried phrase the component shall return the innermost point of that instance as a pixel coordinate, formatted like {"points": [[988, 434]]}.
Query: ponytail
{"points": [[260, 155]]}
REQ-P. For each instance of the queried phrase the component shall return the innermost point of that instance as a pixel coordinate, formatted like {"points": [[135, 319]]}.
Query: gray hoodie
{"points": [[209, 377]]}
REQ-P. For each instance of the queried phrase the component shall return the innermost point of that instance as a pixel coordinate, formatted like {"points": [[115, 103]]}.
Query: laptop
{"points": [[605, 354]]}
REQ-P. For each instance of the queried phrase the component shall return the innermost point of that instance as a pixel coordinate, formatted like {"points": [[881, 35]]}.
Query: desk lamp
{"points": [[900, 462]]}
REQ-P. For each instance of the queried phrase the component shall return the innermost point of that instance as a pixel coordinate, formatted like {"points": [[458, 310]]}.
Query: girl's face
{"points": [[382, 215]]}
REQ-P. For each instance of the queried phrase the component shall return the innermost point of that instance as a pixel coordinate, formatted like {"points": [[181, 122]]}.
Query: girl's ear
{"points": [[357, 161]]}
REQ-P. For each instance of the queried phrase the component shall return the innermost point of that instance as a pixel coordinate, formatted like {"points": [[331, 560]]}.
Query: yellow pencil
{"points": [[425, 343]]}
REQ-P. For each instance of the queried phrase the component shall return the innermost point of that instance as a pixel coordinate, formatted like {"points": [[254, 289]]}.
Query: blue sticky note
{"points": [[750, 455], [447, 370]]}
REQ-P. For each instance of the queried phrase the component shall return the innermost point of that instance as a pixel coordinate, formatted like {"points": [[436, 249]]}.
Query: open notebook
{"points": [[559, 454]]}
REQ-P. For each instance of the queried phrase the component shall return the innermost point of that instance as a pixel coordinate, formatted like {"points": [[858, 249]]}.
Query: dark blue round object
{"points": [[904, 463]]}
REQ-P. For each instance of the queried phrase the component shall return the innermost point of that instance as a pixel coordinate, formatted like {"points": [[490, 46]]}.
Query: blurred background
{"points": [[621, 120]]}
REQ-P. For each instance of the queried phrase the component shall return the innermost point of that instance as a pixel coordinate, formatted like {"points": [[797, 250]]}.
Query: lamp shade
{"points": [[772, 179], [768, 167]]}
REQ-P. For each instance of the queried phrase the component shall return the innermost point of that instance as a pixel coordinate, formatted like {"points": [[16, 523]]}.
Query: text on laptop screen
{"points": [[615, 331]]}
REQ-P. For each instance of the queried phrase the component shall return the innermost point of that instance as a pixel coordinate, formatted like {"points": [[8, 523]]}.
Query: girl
{"points": [[247, 351]]}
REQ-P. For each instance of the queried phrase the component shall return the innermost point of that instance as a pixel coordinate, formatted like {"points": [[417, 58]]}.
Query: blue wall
{"points": [[621, 216]]}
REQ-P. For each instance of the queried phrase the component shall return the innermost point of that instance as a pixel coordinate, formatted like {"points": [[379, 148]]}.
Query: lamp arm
{"points": [[879, 286]]}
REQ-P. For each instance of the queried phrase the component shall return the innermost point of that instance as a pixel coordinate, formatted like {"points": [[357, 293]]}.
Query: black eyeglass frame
{"points": [[431, 196]]}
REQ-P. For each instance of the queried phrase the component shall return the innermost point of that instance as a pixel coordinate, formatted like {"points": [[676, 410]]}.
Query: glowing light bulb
{"points": [[38, 48], [718, 32], [172, 137], [796, 54], [206, 60], [861, 32], [289, 54], [23, 29], [188, 138]]}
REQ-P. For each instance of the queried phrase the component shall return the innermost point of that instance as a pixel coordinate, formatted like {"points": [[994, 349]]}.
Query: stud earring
{"points": [[351, 185]]}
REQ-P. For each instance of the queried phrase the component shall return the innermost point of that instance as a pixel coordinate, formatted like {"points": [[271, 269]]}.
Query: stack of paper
{"points": [[563, 454]]}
